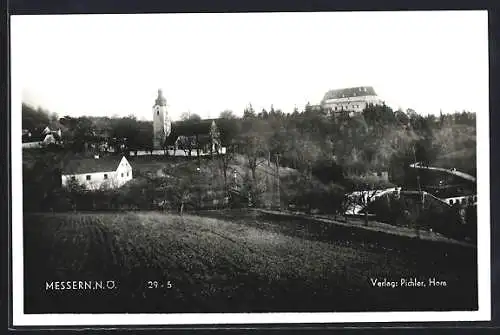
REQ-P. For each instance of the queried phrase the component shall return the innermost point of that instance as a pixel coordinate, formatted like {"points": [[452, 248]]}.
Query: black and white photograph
{"points": [[243, 168]]}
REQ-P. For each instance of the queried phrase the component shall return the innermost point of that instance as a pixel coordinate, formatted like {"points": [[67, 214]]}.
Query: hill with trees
{"points": [[330, 153]]}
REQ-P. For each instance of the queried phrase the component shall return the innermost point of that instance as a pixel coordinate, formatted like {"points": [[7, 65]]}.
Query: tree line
{"points": [[378, 139], [331, 153]]}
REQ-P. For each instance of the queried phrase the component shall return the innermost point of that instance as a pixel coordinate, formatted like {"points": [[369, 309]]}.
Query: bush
{"points": [[408, 211], [311, 194]]}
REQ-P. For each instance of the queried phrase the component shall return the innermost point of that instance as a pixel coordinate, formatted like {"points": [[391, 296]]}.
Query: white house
{"points": [[98, 172], [41, 139]]}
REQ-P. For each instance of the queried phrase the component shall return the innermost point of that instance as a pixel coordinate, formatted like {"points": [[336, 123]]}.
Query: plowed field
{"points": [[233, 263]]}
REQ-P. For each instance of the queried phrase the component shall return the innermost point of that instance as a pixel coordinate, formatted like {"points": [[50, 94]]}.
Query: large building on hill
{"points": [[353, 99]]}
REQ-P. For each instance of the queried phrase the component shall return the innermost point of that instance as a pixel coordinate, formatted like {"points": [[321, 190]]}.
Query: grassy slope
{"points": [[462, 160], [147, 164], [233, 263], [458, 147]]}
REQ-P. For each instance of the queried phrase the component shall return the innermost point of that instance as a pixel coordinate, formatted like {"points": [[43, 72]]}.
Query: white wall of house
{"points": [[92, 181], [357, 104], [49, 139], [178, 152], [123, 172], [462, 200], [27, 145], [97, 180]]}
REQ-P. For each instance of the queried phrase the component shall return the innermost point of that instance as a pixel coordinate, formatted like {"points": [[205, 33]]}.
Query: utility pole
{"points": [[418, 174], [278, 181], [421, 205]]}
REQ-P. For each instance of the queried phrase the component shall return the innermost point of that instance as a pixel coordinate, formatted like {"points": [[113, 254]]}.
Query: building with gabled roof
{"points": [[204, 135], [40, 138], [97, 172], [352, 99], [197, 128]]}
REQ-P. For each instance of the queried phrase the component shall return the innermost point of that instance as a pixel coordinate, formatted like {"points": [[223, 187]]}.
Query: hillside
{"points": [[368, 142], [463, 160], [457, 148], [322, 155]]}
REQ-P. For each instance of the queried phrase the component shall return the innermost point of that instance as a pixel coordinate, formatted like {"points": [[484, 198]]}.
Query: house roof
{"points": [[350, 92], [190, 128], [92, 165]]}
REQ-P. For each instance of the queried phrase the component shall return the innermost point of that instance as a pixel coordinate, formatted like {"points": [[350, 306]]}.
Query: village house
{"points": [[97, 172], [40, 138]]}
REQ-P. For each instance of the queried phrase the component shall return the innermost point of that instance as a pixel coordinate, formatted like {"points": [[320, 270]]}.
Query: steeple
{"points": [[161, 121], [160, 100]]}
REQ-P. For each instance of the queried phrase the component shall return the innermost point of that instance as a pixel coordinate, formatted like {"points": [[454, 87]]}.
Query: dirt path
{"points": [[376, 227]]}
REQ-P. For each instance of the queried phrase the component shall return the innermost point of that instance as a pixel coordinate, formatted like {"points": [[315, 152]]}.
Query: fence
{"points": [[172, 152]]}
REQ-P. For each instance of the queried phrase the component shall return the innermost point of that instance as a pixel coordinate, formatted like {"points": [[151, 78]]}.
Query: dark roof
{"points": [[350, 92], [92, 165], [160, 100], [190, 128]]}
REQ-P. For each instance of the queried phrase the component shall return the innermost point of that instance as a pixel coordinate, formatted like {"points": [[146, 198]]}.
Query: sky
{"points": [[105, 65]]}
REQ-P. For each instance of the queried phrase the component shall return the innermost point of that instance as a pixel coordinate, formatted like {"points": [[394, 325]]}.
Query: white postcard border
{"points": [[21, 319]]}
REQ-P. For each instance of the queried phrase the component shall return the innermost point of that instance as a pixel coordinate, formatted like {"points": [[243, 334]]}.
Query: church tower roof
{"points": [[160, 100]]}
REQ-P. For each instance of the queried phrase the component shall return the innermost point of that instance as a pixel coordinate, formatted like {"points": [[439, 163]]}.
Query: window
{"points": [[87, 177], [127, 174], [122, 174], [73, 178], [157, 112], [105, 176], [451, 202]]}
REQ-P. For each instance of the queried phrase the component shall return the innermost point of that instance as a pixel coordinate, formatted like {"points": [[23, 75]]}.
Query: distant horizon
{"points": [[103, 65], [218, 115]]}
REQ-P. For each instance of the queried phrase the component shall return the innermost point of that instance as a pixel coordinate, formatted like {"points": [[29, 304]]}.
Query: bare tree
{"points": [[227, 114], [224, 160], [255, 135], [186, 143], [362, 196], [190, 116], [177, 190]]}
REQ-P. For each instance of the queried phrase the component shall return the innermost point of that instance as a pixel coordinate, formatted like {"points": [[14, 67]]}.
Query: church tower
{"points": [[161, 122]]}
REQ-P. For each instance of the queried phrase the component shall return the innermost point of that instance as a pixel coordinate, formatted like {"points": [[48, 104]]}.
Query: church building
{"points": [[202, 137]]}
